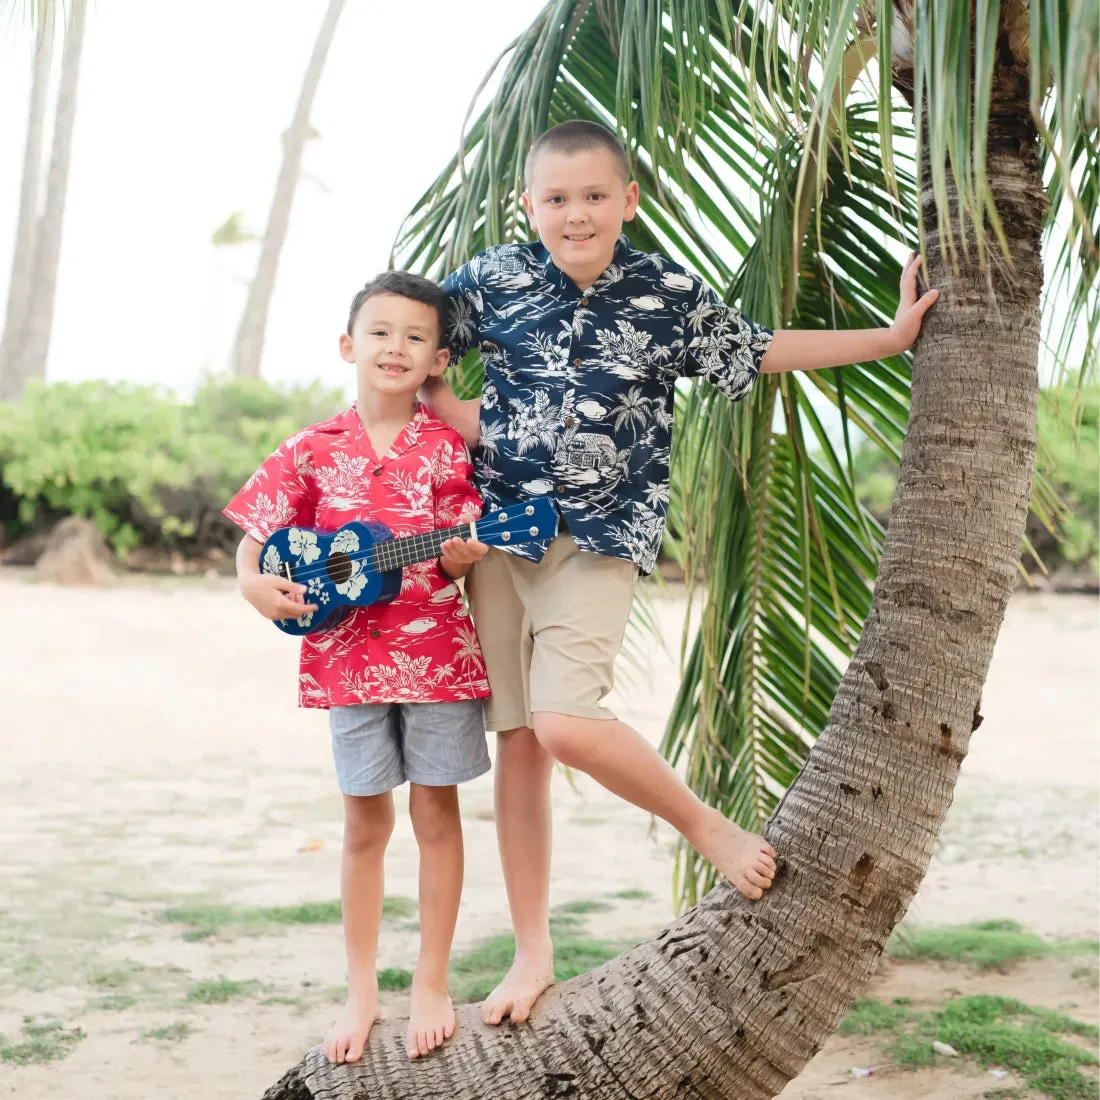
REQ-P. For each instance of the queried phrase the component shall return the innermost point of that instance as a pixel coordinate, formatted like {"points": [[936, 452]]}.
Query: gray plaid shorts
{"points": [[378, 746]]}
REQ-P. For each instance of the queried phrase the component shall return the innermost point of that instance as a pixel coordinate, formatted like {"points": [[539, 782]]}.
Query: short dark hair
{"points": [[577, 136], [404, 284]]}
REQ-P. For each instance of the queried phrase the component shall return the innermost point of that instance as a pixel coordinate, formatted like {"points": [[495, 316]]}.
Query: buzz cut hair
{"points": [[577, 136]]}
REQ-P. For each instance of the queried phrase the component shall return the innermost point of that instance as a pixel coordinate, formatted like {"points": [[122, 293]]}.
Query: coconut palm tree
{"points": [[249, 344], [29, 325], [776, 158], [22, 267]]}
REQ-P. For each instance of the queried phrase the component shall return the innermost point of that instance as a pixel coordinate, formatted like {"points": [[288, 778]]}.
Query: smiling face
{"points": [[394, 344], [577, 203]]}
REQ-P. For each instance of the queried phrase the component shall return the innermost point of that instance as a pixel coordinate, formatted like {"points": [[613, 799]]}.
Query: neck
{"points": [[584, 276], [376, 408]]}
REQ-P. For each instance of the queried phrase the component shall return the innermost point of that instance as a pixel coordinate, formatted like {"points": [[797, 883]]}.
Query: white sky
{"points": [[178, 121]]}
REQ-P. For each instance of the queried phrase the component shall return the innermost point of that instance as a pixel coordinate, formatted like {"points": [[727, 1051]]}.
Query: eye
{"points": [[555, 200], [418, 339], [596, 196], [378, 332]]}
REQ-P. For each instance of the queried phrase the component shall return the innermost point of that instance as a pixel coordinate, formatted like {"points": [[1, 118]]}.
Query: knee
{"points": [[368, 824], [558, 735], [434, 813]]}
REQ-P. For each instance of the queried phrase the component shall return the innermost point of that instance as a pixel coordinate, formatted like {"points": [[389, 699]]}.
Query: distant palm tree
{"points": [[774, 167], [29, 318], [249, 345]]}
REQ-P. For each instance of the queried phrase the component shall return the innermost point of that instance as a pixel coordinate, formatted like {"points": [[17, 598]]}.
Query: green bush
{"points": [[145, 466]]}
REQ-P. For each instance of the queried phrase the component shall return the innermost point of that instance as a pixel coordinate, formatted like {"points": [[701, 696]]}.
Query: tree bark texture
{"points": [[732, 1000], [22, 268], [248, 347]]}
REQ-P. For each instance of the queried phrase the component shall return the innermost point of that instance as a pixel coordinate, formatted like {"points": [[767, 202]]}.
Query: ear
{"points": [[633, 194], [439, 363], [346, 352], [529, 210]]}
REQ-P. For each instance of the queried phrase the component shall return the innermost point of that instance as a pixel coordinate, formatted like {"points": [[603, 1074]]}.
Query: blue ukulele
{"points": [[361, 563]]}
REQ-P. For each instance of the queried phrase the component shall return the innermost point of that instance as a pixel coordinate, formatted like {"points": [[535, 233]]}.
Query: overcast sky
{"points": [[178, 122]]}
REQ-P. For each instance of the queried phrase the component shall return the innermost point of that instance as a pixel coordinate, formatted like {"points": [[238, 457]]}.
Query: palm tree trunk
{"points": [[32, 346], [249, 345], [22, 268], [733, 999]]}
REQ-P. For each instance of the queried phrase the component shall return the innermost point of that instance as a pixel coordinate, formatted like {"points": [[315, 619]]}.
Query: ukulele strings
{"points": [[322, 570]]}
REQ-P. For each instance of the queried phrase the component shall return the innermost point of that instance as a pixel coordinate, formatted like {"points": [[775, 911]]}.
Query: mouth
{"points": [[580, 238], [393, 370]]}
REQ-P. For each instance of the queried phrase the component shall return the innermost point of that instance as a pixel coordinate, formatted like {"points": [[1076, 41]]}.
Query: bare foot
{"points": [[521, 987], [746, 859], [431, 1018], [348, 1035]]}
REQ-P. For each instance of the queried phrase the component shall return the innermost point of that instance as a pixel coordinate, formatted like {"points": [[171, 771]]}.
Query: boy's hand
{"points": [[275, 597], [457, 555], [911, 310]]}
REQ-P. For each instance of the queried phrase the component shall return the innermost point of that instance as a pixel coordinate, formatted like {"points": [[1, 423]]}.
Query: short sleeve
{"points": [[464, 302], [721, 345], [456, 499], [276, 495]]}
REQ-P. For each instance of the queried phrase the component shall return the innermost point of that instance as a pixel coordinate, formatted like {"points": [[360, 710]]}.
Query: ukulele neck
{"points": [[397, 553]]}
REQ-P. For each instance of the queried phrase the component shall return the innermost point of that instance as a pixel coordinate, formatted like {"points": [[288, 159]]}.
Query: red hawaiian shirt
{"points": [[421, 647]]}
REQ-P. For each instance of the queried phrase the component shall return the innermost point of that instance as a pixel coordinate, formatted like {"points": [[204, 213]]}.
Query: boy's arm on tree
{"points": [[463, 416], [811, 349]]}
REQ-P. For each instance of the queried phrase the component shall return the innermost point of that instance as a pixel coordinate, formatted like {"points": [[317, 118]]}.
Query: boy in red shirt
{"points": [[403, 681]]}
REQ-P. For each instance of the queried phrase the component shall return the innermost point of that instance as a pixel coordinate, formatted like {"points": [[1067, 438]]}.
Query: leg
{"points": [[524, 836], [368, 823], [438, 829], [522, 784], [620, 759]]}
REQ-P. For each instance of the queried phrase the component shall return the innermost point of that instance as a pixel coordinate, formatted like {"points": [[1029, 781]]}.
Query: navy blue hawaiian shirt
{"points": [[579, 385]]}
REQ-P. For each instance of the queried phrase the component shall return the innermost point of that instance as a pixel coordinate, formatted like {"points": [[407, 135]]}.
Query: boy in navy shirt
{"points": [[584, 338]]}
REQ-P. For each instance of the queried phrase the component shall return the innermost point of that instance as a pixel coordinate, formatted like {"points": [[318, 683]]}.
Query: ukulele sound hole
{"points": [[338, 567]]}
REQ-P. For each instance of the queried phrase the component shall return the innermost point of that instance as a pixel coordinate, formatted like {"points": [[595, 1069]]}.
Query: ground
{"points": [[166, 813]]}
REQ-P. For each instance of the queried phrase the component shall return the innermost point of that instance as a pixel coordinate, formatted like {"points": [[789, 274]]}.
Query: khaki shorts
{"points": [[551, 631]]}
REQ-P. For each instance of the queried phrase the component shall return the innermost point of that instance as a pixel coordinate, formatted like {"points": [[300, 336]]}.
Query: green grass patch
{"points": [[114, 1002], [991, 1031], [43, 1043], [476, 972], [392, 978], [220, 991], [987, 945], [870, 1017], [172, 1033], [205, 921]]}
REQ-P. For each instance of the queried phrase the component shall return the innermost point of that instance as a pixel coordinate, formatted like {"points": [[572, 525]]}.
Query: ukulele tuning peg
{"points": [[530, 510], [534, 531], [502, 518], [506, 537]]}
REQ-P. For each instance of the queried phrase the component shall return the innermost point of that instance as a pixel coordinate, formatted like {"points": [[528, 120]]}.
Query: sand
{"points": [[151, 755]]}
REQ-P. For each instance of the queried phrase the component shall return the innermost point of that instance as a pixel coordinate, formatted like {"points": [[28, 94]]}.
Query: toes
{"points": [[422, 1042], [341, 1050], [437, 1038], [522, 1009], [767, 849], [330, 1054], [449, 1030], [753, 893], [756, 879], [493, 1014], [355, 1049]]}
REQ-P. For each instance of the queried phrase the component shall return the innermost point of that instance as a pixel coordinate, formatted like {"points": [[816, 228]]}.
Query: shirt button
{"points": [[578, 362], [560, 488], [570, 421], [584, 301], [376, 633], [377, 470]]}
